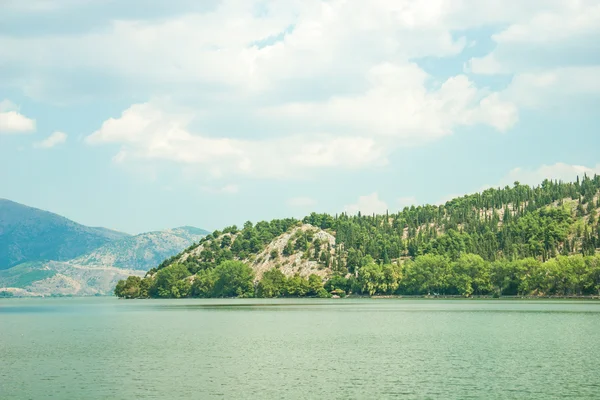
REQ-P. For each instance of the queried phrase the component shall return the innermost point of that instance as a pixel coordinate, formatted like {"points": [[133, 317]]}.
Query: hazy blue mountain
{"points": [[29, 234], [98, 271], [42, 253]]}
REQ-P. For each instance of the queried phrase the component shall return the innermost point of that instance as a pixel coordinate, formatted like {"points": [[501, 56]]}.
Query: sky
{"points": [[140, 116]]}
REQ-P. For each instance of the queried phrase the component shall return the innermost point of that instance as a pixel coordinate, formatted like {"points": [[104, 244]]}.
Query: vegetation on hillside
{"points": [[516, 240]]}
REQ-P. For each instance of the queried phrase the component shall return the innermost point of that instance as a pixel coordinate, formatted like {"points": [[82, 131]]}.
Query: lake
{"points": [[101, 348]]}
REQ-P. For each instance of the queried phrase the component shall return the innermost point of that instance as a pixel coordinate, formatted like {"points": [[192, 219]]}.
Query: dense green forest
{"points": [[518, 240]]}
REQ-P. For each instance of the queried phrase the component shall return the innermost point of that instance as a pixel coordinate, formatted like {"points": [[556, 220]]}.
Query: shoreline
{"points": [[352, 296]]}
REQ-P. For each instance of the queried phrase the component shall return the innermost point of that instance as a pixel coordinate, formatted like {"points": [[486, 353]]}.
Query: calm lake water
{"points": [[103, 348]]}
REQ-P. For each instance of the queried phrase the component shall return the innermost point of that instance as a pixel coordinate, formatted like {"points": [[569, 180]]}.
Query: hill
{"points": [[28, 234], [513, 240]]}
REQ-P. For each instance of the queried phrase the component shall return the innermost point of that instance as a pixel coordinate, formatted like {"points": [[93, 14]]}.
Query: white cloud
{"points": [[553, 87], [11, 121], [7, 105], [301, 202], [53, 140], [367, 205], [298, 42], [567, 20], [227, 189], [325, 36], [557, 34], [397, 104], [558, 171], [552, 54], [335, 81], [486, 65], [147, 132], [39, 5], [315, 38]]}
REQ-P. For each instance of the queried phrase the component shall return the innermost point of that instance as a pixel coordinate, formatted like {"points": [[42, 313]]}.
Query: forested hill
{"points": [[493, 227]]}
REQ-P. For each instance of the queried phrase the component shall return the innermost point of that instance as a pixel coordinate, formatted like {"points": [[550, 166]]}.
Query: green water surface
{"points": [[104, 348]]}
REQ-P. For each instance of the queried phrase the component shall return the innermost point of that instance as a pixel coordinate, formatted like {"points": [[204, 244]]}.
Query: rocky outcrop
{"points": [[303, 262]]}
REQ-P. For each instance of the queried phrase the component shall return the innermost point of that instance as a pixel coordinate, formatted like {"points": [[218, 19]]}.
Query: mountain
{"points": [[519, 239], [98, 271], [141, 252], [29, 234], [42, 253], [49, 278]]}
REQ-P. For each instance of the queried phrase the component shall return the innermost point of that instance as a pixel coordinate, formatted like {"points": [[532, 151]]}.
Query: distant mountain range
{"points": [[42, 253], [30, 234]]}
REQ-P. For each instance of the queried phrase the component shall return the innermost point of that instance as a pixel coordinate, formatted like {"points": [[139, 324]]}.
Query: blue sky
{"points": [[211, 113]]}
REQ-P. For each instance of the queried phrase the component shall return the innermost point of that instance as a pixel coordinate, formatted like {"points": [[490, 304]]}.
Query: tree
{"points": [[288, 250], [296, 286], [338, 283], [166, 279], [272, 284], [129, 288], [315, 285], [504, 277], [427, 274], [392, 275], [204, 284], [370, 278], [226, 241], [233, 279], [592, 280]]}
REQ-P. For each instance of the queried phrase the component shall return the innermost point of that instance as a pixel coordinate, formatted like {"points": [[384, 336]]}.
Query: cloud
{"points": [[53, 140], [286, 40], [551, 54], [36, 6], [553, 87], [227, 189], [558, 34], [558, 171], [563, 22], [398, 105], [313, 84], [11, 121], [314, 38], [367, 205], [301, 202], [342, 133], [147, 132]]}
